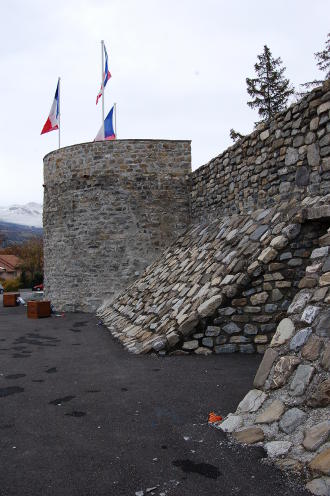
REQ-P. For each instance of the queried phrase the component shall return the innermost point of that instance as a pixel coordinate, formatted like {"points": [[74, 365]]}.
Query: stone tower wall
{"points": [[110, 208]]}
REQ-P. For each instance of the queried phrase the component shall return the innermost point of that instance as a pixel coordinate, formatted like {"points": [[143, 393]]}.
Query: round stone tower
{"points": [[110, 208]]}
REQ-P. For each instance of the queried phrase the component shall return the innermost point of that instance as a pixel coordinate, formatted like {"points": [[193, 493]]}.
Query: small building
{"points": [[9, 267]]}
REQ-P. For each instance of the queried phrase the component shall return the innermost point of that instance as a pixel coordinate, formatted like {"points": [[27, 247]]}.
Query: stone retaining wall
{"points": [[248, 321], [287, 158], [110, 208], [288, 411]]}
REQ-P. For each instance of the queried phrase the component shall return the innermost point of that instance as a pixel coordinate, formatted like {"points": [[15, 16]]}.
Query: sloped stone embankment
{"points": [[252, 274], [222, 287], [288, 409]]}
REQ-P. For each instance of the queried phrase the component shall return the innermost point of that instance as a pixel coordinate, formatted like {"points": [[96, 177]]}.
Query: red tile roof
{"points": [[9, 262]]}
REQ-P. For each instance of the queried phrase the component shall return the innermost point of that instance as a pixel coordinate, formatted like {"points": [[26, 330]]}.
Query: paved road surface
{"points": [[81, 417]]}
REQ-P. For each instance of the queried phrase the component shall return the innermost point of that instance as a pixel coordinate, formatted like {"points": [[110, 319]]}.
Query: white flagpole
{"points": [[115, 105], [59, 112], [102, 85]]}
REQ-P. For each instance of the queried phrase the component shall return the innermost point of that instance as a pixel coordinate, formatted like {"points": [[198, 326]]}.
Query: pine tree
{"points": [[270, 90], [323, 58], [323, 63], [235, 135]]}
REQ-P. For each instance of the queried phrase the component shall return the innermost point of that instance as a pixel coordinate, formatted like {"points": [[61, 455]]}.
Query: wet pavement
{"points": [[79, 416]]}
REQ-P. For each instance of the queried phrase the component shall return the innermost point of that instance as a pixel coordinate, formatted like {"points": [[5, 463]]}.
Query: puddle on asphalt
{"points": [[41, 336], [6, 426], [155, 370], [80, 324], [75, 330], [14, 376], [36, 339], [163, 446], [124, 389], [59, 401], [76, 413], [7, 391], [204, 469], [38, 380], [52, 370], [20, 355], [34, 342]]}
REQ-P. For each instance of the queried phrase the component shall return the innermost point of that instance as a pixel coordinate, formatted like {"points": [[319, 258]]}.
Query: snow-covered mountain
{"points": [[27, 215]]}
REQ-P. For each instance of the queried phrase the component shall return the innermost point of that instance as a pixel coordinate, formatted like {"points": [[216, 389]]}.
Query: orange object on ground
{"points": [[213, 417]]}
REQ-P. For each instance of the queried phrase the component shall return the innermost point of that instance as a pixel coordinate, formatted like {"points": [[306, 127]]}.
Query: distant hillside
{"points": [[11, 233], [29, 214]]}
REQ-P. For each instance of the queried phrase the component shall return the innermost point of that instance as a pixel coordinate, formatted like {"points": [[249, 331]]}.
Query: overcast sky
{"points": [[178, 72]]}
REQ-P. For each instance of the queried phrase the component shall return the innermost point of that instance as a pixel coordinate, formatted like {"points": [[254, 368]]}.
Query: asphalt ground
{"points": [[79, 416]]}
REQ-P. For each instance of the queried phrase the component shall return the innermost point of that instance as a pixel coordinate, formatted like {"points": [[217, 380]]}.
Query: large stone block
{"points": [[316, 435], [312, 348], [301, 379], [321, 463], [272, 413], [300, 338], [323, 327], [265, 367], [210, 306], [284, 332], [291, 420], [250, 435], [277, 448], [283, 370], [320, 395], [252, 401]]}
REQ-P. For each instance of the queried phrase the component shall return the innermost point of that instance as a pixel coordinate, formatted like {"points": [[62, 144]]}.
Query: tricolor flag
{"points": [[53, 120], [106, 74], [109, 133]]}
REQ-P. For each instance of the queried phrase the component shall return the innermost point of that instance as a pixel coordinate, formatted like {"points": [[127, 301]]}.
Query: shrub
{"points": [[12, 284]]}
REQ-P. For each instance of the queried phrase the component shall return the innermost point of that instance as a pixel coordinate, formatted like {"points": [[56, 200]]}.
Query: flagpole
{"points": [[115, 105], [102, 85], [59, 112]]}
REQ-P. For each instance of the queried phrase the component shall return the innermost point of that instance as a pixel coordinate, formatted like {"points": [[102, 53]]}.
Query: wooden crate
{"points": [[38, 309], [10, 299]]}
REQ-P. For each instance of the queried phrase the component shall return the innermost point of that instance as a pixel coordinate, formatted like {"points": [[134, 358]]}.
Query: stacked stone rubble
{"points": [[288, 411], [223, 286]]}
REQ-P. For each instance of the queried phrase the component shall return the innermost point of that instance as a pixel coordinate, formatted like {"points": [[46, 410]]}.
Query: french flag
{"points": [[52, 122], [109, 133], [106, 74]]}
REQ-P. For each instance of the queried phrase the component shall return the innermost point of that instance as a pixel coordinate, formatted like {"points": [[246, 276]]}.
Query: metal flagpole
{"points": [[102, 85], [115, 105], [59, 112]]}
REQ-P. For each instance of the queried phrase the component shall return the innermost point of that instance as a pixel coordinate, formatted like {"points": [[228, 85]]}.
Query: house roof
{"points": [[9, 262]]}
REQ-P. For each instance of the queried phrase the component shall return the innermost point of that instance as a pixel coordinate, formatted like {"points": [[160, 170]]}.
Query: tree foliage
{"points": [[323, 58], [11, 284], [270, 90], [323, 63], [31, 255], [235, 135]]}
